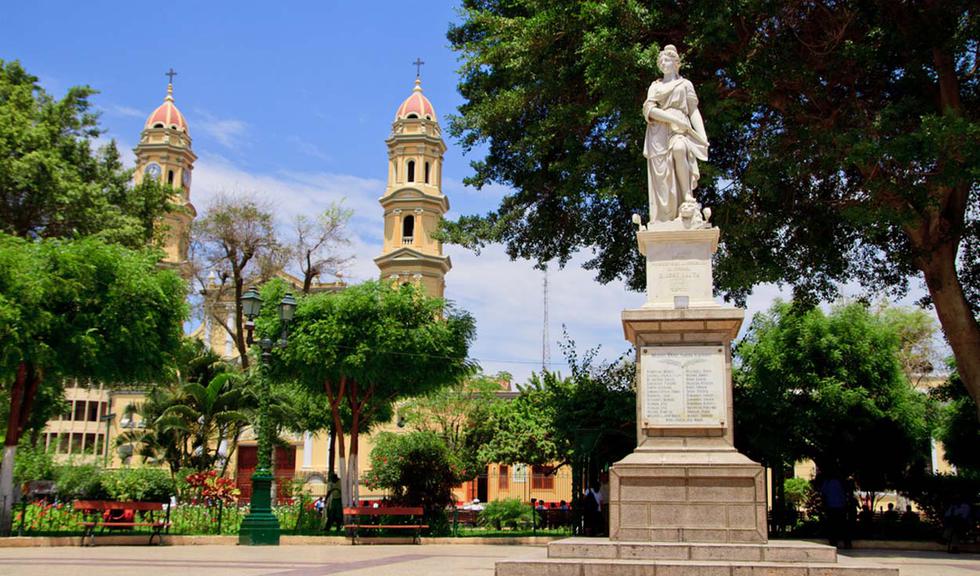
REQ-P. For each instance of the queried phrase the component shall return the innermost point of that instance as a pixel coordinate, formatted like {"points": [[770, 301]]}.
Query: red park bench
{"points": [[107, 515], [353, 520]]}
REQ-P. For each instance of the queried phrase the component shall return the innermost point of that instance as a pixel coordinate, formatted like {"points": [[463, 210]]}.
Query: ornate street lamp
{"points": [[261, 527]]}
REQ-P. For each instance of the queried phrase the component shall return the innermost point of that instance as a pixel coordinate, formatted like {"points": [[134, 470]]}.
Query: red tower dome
{"points": [[416, 105], [167, 115]]}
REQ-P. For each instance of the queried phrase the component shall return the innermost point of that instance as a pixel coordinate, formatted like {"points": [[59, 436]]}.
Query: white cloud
{"points": [[125, 111], [227, 131], [505, 297], [507, 300]]}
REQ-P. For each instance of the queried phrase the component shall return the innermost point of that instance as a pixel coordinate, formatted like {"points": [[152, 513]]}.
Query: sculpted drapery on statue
{"points": [[675, 141]]}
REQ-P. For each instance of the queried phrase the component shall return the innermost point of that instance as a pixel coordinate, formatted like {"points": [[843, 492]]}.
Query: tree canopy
{"points": [[844, 140], [829, 388], [52, 183], [586, 420], [366, 347], [460, 416], [957, 429], [80, 309], [234, 245]]}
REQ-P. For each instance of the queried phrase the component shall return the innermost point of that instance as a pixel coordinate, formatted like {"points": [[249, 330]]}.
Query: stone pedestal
{"points": [[601, 557], [685, 502], [685, 482], [679, 267]]}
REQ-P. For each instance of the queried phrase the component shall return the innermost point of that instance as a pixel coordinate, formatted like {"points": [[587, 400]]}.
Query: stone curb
{"points": [[140, 540], [168, 540]]}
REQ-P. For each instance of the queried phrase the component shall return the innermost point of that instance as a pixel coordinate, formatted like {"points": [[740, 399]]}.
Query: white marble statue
{"points": [[675, 141]]}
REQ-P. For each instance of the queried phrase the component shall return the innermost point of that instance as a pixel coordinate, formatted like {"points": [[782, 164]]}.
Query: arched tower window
{"points": [[170, 177], [426, 172], [408, 229], [411, 170]]}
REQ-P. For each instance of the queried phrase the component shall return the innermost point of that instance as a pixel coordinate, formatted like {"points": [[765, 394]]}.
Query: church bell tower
{"points": [[413, 201], [164, 154]]}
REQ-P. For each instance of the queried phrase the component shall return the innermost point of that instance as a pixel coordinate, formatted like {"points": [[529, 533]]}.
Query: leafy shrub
{"points": [[509, 512], [79, 481], [419, 470], [143, 484], [934, 493], [797, 490], [32, 463]]}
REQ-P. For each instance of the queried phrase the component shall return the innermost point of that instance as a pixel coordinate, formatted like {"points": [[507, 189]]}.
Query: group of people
{"points": [[843, 519]]}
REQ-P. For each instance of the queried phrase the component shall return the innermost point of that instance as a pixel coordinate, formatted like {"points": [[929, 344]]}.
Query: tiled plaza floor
{"points": [[382, 560]]}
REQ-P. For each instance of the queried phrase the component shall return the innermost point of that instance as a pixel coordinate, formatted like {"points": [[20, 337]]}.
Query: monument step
{"points": [[774, 551], [607, 567]]}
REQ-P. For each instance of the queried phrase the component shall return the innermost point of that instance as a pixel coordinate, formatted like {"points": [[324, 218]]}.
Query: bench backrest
{"points": [[109, 505], [389, 511]]}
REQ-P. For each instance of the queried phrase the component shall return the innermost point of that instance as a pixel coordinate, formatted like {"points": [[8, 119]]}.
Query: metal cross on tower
{"points": [[418, 67], [171, 73]]}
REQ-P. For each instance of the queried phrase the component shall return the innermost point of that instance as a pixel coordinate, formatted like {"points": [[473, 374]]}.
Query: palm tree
{"points": [[212, 417], [196, 421]]}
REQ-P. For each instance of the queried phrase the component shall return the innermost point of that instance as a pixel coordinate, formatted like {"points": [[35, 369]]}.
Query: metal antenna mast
{"points": [[545, 345]]}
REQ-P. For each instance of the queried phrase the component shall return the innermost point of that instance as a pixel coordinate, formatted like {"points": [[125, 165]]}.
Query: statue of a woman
{"points": [[675, 141]]}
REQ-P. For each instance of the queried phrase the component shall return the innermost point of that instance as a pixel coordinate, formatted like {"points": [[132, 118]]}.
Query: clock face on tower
{"points": [[152, 170], [186, 178]]}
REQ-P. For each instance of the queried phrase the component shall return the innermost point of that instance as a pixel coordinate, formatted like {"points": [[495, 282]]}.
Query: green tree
{"points": [[916, 331], [829, 388], [52, 183], [844, 140], [460, 415], [196, 419], [367, 347], [523, 431], [419, 470], [80, 309], [586, 421], [957, 429]]}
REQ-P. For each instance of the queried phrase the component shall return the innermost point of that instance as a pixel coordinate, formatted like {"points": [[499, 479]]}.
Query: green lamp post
{"points": [[261, 527]]}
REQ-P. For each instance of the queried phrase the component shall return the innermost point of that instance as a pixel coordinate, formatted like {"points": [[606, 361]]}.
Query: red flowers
{"points": [[211, 487]]}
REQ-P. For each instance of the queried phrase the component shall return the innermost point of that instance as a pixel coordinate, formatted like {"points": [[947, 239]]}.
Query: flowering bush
{"points": [[46, 517], [209, 487]]}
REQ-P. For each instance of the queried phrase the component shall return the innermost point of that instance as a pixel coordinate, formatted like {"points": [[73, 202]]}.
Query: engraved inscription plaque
{"points": [[683, 386]]}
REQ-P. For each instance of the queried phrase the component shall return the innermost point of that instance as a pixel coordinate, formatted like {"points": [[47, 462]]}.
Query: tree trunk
{"points": [[22, 394], [778, 497], [7, 488], [338, 429], [332, 452], [239, 336], [955, 315], [355, 431]]}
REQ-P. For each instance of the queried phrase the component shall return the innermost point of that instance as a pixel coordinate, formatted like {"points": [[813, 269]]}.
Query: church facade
{"points": [[412, 203]]}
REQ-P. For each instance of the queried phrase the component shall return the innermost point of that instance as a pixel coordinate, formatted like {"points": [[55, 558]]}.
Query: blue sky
{"points": [[293, 102]]}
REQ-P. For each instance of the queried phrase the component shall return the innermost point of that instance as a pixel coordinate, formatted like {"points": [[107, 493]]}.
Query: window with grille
{"points": [[542, 478]]}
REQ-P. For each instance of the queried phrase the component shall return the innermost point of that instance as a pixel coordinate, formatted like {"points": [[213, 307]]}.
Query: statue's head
{"points": [[669, 59]]}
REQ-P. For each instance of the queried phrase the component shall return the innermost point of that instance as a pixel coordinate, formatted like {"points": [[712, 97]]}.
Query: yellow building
{"points": [[164, 154], [413, 201], [413, 205]]}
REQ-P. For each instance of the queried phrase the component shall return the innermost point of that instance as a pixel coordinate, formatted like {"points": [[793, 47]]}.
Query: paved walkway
{"points": [[382, 560]]}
